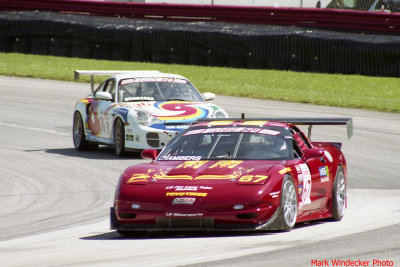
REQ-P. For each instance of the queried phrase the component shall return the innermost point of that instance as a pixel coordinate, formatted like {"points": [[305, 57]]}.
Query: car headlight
{"points": [[145, 119], [220, 114]]}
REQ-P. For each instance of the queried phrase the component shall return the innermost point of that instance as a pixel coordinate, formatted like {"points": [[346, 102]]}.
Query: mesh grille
{"points": [[185, 222], [153, 139]]}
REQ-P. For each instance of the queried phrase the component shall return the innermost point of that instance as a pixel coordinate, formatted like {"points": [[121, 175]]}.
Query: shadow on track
{"points": [[173, 234], [101, 153], [168, 234]]}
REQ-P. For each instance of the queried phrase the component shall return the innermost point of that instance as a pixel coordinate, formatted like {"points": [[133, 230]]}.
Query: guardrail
{"points": [[323, 18]]}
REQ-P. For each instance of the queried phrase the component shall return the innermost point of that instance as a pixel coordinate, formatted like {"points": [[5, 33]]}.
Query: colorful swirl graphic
{"points": [[187, 111]]}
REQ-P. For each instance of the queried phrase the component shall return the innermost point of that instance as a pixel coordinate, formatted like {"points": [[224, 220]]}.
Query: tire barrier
{"points": [[200, 43], [336, 16]]}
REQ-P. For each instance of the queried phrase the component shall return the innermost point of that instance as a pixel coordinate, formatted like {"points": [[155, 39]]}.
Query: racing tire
{"points": [[286, 219], [78, 134], [339, 195], [119, 138]]}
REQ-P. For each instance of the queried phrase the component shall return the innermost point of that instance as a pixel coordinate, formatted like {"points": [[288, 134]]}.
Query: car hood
{"points": [[175, 111], [188, 188]]}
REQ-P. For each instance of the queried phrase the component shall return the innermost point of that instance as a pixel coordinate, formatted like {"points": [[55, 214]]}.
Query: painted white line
{"points": [[41, 130]]}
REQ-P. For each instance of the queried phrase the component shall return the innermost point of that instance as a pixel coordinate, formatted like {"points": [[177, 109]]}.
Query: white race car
{"points": [[137, 110]]}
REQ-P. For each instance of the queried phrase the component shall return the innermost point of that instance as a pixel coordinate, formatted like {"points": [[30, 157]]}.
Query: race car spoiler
{"points": [[93, 73], [298, 121]]}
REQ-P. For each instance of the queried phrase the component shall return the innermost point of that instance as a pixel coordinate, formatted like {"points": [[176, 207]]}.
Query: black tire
{"points": [[126, 233], [115, 225], [119, 138], [78, 134], [286, 219], [339, 195]]}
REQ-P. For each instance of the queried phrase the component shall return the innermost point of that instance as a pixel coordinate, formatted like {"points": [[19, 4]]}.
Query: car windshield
{"points": [[157, 89], [241, 143]]}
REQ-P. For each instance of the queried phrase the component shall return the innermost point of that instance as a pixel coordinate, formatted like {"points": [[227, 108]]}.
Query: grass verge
{"points": [[351, 91]]}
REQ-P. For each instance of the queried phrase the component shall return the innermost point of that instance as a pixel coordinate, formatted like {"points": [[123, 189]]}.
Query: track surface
{"points": [[54, 201]]}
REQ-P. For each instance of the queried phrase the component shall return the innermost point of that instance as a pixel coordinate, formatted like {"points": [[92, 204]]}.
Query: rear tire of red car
{"points": [[78, 134], [286, 219], [339, 195], [119, 138]]}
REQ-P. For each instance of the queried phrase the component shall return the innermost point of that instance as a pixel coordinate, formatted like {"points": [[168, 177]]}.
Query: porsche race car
{"points": [[138, 109], [262, 174]]}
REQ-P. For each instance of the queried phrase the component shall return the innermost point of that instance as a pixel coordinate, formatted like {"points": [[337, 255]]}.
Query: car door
{"points": [[312, 190], [100, 111]]}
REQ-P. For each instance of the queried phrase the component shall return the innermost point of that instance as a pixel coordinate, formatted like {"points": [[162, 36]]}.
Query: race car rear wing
{"points": [[93, 73], [298, 121]]}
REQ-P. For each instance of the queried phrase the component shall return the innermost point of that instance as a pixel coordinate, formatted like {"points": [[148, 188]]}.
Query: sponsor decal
{"points": [[193, 132], [275, 194], [255, 123], [188, 188], [139, 98], [180, 158], [325, 179], [191, 164], [300, 190], [306, 175], [324, 174], [233, 130], [298, 169], [174, 214], [183, 201], [185, 194], [218, 123], [153, 79], [230, 164], [285, 170], [173, 127], [140, 177], [206, 187], [299, 176], [323, 171], [300, 193]]}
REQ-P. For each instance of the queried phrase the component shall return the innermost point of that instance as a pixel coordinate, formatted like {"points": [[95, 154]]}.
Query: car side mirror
{"points": [[103, 96], [208, 96], [313, 153], [149, 153]]}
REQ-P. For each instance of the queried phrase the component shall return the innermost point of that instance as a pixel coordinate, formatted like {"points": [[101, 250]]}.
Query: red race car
{"points": [[235, 174]]}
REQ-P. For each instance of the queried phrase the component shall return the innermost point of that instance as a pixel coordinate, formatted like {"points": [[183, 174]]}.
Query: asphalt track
{"points": [[54, 201]]}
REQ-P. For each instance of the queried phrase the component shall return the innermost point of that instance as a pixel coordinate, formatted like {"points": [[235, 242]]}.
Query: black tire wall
{"points": [[200, 43]]}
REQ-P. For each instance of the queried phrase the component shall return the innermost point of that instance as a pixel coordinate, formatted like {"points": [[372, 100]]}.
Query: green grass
{"points": [[352, 91]]}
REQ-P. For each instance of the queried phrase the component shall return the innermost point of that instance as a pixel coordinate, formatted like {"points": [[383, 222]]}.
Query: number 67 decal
{"points": [[253, 179]]}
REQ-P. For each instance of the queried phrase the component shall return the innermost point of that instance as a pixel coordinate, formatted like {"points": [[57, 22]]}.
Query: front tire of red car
{"points": [[125, 233], [286, 219], [339, 195]]}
